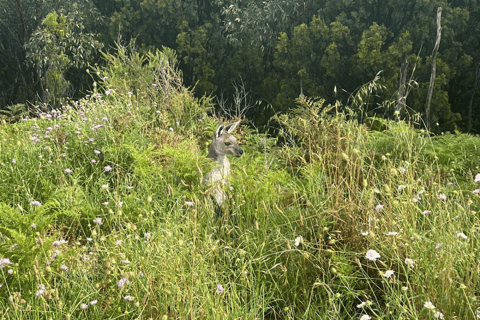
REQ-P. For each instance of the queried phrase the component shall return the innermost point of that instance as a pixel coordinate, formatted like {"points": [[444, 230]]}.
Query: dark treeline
{"points": [[273, 50]]}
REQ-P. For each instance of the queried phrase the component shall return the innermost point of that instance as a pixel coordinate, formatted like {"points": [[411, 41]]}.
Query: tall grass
{"points": [[102, 214]]}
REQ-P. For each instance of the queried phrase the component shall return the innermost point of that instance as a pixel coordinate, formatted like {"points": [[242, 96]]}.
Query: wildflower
{"points": [[105, 186], [96, 152], [476, 191], [93, 161], [429, 305], [55, 254], [107, 92], [125, 262], [98, 126], [477, 313], [147, 235], [364, 233], [36, 203], [442, 196], [41, 290], [154, 84], [130, 93], [58, 243], [361, 305], [14, 161], [122, 282], [98, 221], [119, 242], [157, 112], [298, 241], [93, 302], [438, 315], [4, 262], [392, 233], [220, 289], [402, 170], [462, 235], [10, 271], [426, 212], [372, 255], [409, 262], [90, 239], [64, 268], [128, 298], [91, 140], [365, 317], [104, 119], [67, 171], [120, 204], [388, 273], [104, 78], [189, 203], [401, 187], [439, 245], [477, 177], [105, 203], [107, 169], [84, 306], [379, 208]]}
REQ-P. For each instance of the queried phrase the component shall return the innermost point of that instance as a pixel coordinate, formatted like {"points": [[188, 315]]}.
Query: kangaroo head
{"points": [[224, 143]]}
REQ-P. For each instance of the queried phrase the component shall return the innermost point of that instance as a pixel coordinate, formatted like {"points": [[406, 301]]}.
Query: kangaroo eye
{"points": [[228, 143]]}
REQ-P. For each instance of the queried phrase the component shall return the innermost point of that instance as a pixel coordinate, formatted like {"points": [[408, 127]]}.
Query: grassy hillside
{"points": [[103, 216]]}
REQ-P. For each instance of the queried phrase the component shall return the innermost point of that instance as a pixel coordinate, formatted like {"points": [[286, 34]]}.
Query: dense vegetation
{"points": [[269, 51], [102, 214]]}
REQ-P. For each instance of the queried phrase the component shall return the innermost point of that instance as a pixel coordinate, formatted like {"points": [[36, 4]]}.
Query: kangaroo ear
{"points": [[232, 126], [219, 131]]}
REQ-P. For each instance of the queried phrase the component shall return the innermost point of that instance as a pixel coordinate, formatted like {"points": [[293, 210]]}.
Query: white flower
{"points": [[365, 317], [429, 305], [477, 177], [392, 233], [220, 289], [298, 241], [364, 233], [426, 212], [361, 305], [409, 262], [379, 207], [98, 221], [438, 315], [372, 255], [84, 306], [189, 203], [462, 235], [4, 262], [122, 282], [388, 273]]}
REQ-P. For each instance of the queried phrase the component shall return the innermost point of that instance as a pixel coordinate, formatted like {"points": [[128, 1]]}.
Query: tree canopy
{"points": [[277, 49]]}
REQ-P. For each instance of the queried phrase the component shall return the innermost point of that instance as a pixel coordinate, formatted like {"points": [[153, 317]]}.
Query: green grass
{"points": [[292, 241]]}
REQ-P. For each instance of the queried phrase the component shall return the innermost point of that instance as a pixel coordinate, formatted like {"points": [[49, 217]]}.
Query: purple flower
{"points": [[14, 161], [4, 262], [442, 196], [36, 203], [41, 290], [122, 282], [58, 243], [98, 126], [67, 171], [107, 169], [128, 298], [84, 306], [64, 268], [476, 191], [93, 161], [147, 235], [98, 221], [220, 289], [91, 140], [93, 302], [107, 92], [119, 242], [96, 152]]}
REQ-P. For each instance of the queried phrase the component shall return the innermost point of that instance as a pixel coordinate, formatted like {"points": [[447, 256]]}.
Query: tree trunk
{"points": [[434, 69], [401, 101], [470, 105]]}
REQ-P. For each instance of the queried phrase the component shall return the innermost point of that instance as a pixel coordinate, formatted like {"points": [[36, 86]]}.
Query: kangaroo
{"points": [[223, 144]]}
